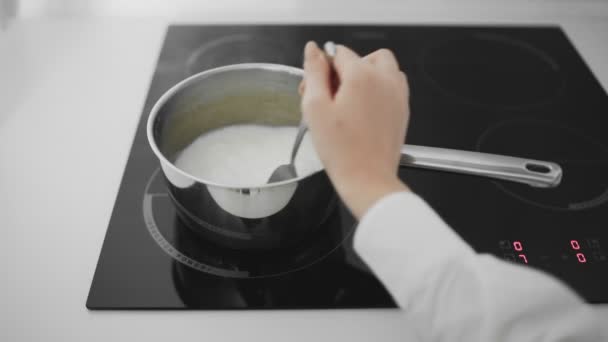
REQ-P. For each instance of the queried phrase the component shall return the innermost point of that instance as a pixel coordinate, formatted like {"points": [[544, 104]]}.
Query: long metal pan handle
{"points": [[536, 173]]}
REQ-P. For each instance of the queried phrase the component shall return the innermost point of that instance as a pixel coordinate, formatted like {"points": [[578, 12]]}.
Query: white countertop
{"points": [[71, 93]]}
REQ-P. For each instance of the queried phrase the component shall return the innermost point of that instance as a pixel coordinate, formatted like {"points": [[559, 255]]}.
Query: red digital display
{"points": [[581, 258], [518, 246], [575, 245], [523, 257], [564, 251]]}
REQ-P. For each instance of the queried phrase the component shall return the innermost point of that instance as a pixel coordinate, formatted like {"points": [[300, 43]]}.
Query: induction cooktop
{"points": [[521, 91]]}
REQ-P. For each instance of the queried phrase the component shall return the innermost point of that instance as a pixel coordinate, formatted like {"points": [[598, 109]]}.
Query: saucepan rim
{"points": [[194, 78]]}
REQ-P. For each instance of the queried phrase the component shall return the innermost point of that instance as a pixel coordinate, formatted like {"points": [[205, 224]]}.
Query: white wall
{"points": [[191, 9]]}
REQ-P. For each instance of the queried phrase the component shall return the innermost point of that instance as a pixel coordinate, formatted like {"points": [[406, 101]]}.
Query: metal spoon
{"points": [[288, 171]]}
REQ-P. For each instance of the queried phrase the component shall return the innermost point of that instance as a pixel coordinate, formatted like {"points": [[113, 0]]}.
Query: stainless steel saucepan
{"points": [[277, 214]]}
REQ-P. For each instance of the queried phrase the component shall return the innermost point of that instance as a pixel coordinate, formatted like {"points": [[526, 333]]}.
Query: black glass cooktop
{"points": [[522, 91]]}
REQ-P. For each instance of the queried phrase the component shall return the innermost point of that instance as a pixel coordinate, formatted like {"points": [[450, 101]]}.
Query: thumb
{"points": [[316, 76]]}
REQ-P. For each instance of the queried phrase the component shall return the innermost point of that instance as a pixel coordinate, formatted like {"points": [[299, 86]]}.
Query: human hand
{"points": [[357, 131]]}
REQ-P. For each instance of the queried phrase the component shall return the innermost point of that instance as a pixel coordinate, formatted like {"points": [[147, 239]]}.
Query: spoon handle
{"points": [[330, 51], [296, 145]]}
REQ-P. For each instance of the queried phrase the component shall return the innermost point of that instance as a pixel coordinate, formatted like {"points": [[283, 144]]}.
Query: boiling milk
{"points": [[246, 155]]}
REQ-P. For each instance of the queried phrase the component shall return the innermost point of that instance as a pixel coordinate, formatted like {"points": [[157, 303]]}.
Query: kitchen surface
{"points": [[73, 86]]}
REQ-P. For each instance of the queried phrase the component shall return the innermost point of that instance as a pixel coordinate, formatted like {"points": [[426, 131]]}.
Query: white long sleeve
{"points": [[451, 293]]}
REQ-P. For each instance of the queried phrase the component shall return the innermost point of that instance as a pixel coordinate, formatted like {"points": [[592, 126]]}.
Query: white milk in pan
{"points": [[246, 155]]}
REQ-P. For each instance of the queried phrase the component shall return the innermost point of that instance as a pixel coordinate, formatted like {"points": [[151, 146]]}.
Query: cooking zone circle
{"points": [[235, 49], [584, 163], [189, 249], [473, 70]]}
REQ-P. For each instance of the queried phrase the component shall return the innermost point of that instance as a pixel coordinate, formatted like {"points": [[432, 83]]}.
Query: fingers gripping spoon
{"points": [[288, 171]]}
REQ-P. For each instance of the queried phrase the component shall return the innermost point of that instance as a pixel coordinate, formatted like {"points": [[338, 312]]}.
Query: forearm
{"points": [[451, 293]]}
